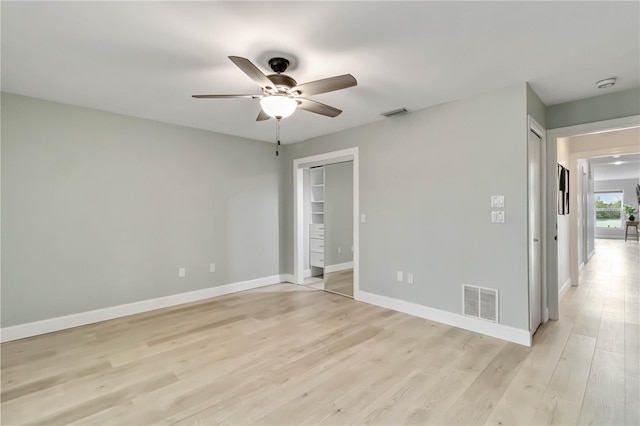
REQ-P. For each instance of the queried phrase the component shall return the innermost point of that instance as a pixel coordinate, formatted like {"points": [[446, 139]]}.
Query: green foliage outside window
{"points": [[608, 209], [608, 214]]}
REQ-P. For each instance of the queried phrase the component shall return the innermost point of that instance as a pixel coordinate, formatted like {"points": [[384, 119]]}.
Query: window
{"points": [[609, 209]]}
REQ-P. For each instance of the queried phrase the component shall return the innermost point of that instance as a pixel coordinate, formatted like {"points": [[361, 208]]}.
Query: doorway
{"points": [[562, 245], [328, 227], [332, 256], [534, 148]]}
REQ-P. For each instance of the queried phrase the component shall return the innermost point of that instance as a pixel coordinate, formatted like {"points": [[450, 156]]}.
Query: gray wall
{"points": [[426, 179], [338, 212], [604, 107], [100, 209], [629, 188], [536, 108]]}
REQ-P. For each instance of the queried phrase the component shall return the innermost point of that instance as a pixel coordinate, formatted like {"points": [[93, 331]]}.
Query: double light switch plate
{"points": [[497, 201]]}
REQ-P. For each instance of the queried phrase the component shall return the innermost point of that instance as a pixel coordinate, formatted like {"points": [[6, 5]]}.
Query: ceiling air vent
{"points": [[395, 112], [480, 302]]}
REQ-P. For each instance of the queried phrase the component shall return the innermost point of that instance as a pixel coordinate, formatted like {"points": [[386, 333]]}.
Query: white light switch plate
{"points": [[497, 201], [497, 216], [363, 218], [409, 278], [399, 276], [182, 272], [212, 267]]}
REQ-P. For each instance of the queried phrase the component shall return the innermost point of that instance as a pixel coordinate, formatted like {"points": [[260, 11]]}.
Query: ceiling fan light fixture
{"points": [[278, 106]]}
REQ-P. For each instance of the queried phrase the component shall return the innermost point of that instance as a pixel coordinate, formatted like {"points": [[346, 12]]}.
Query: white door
{"points": [[585, 214], [535, 247]]}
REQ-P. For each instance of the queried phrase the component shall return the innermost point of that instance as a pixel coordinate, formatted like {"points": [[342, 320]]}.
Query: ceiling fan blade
{"points": [[263, 116], [318, 108], [252, 71], [226, 96], [326, 85]]}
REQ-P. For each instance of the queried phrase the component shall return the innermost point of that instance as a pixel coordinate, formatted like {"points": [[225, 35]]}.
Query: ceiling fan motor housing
{"points": [[282, 81]]}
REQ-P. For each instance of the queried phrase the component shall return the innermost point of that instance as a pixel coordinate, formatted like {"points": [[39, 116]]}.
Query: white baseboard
{"points": [[307, 273], [288, 278], [591, 254], [500, 331], [565, 287], [338, 267], [35, 328]]}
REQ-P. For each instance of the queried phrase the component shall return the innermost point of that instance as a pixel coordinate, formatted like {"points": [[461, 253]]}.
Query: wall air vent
{"points": [[395, 112], [480, 302]]}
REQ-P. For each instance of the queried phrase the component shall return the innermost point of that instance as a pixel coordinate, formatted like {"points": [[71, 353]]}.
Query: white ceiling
{"points": [[145, 59], [626, 166]]}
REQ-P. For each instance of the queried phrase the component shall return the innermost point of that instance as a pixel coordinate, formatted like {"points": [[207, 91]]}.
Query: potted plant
{"points": [[630, 211]]}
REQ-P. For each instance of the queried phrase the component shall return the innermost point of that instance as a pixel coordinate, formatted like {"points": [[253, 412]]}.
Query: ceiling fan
{"points": [[281, 94]]}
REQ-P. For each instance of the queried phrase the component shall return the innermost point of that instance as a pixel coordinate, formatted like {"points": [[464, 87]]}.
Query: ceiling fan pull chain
{"points": [[277, 135]]}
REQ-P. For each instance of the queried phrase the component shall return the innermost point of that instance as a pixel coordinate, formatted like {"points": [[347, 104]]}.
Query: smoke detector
{"points": [[607, 82]]}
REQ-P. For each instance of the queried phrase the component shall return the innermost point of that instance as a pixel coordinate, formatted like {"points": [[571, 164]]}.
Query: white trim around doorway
{"points": [[534, 126], [552, 146]]}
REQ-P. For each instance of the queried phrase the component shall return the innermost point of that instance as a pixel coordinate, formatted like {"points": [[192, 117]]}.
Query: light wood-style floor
{"points": [[340, 282], [285, 354]]}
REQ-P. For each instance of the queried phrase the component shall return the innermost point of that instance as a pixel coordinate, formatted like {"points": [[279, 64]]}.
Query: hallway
{"points": [[602, 317]]}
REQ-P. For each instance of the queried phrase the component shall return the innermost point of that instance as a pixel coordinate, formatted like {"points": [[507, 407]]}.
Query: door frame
{"points": [[535, 127], [553, 298], [350, 154]]}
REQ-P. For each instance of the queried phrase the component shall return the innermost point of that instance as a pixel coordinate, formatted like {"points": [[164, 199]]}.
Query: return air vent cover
{"points": [[480, 302], [395, 112]]}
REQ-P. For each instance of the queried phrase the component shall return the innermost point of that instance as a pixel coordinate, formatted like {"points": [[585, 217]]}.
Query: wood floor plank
{"points": [[552, 410], [519, 403], [611, 334], [604, 398], [570, 377], [340, 282], [15, 388], [632, 374], [475, 405]]}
